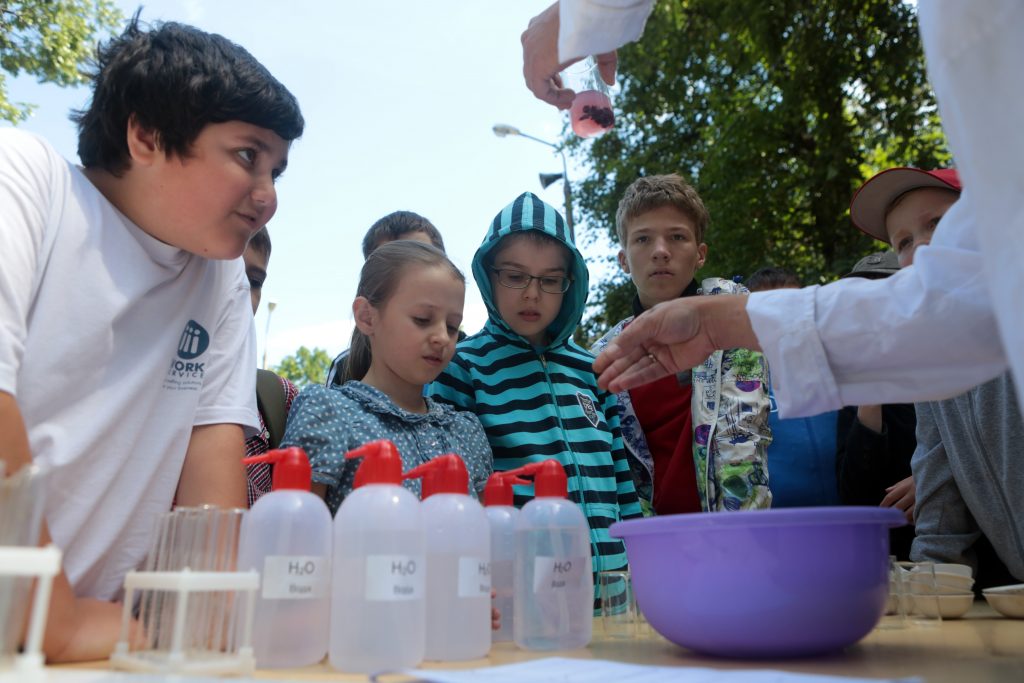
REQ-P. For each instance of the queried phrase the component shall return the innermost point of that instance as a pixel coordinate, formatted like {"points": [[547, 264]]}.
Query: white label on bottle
{"points": [[394, 577], [474, 577], [558, 573], [295, 577]]}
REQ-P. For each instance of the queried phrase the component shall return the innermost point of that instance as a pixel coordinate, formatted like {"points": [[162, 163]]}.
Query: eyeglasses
{"points": [[517, 279]]}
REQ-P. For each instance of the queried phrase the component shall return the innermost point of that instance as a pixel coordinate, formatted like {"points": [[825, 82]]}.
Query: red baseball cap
{"points": [[869, 204]]}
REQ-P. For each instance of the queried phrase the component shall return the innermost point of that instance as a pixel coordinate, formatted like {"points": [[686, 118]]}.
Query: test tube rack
{"points": [[235, 656], [30, 563]]}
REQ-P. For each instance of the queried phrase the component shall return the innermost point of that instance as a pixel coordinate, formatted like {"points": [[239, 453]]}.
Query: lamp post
{"points": [[502, 130], [271, 305]]}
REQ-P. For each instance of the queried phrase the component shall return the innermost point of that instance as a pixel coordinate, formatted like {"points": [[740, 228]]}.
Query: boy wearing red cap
{"points": [[903, 205], [969, 487]]}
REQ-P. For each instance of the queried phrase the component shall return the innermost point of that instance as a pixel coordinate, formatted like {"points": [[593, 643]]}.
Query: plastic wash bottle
{"points": [[458, 539], [377, 603], [554, 586], [502, 516], [286, 537]]}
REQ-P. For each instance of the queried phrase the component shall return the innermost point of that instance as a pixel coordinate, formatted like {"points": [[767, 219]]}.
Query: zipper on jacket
{"points": [[572, 457], [713, 427]]}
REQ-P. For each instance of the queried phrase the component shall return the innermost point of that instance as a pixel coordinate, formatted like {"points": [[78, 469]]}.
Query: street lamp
{"points": [[502, 130], [271, 305]]}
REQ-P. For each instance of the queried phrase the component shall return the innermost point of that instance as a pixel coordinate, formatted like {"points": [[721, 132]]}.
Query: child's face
{"points": [[912, 221], [661, 254], [529, 311], [256, 271], [212, 201], [413, 334]]}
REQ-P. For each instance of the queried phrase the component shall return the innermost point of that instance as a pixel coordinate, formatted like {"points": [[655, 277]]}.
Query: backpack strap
{"points": [[270, 399]]}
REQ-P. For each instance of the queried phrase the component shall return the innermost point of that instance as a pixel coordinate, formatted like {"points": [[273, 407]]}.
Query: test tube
{"points": [[231, 525]]}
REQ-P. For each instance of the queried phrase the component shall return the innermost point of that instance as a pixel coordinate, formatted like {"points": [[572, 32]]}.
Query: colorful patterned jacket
{"points": [[730, 416]]}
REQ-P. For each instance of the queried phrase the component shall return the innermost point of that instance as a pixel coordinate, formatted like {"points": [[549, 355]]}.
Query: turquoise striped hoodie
{"points": [[539, 403]]}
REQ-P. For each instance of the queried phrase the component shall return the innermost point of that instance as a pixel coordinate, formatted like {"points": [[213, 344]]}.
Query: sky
{"points": [[399, 98]]}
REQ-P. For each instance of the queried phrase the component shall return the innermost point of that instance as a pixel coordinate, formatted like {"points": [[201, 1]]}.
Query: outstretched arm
{"points": [[674, 336]]}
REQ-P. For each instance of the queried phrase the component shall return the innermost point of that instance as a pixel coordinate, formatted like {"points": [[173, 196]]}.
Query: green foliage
{"points": [[776, 111], [305, 367], [49, 39]]}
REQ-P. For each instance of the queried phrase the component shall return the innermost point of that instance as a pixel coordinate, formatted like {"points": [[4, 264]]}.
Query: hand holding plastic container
{"points": [[591, 112], [554, 586], [378, 599], [286, 537], [458, 548], [502, 515]]}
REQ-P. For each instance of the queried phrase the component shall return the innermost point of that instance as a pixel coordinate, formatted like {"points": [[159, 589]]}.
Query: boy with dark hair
{"points": [[772, 277], [874, 443], [397, 225], [696, 441], [400, 225], [802, 455], [530, 384], [130, 266], [274, 394]]}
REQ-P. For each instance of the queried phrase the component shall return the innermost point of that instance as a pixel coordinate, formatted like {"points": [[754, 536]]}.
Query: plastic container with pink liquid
{"points": [[591, 112]]}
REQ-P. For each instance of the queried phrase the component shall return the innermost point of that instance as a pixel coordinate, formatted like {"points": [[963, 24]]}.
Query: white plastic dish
{"points": [[1007, 600], [946, 583], [958, 569], [962, 583], [950, 606]]}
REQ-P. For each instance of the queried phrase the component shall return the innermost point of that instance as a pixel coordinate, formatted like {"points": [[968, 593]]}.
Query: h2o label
{"points": [[474, 577], [556, 574], [395, 577], [295, 577]]}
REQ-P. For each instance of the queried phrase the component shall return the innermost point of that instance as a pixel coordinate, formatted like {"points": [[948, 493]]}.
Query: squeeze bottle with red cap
{"points": [[458, 539], [554, 587], [502, 516], [377, 603], [286, 537]]}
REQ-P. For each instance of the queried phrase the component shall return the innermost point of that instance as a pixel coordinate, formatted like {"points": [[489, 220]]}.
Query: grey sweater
{"points": [[969, 476]]}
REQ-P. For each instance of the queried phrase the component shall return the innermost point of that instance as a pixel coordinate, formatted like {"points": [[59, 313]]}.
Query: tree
{"points": [[776, 111], [49, 39], [305, 367]]}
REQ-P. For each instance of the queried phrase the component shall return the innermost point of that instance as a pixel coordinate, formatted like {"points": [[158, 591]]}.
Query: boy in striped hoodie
{"points": [[530, 384]]}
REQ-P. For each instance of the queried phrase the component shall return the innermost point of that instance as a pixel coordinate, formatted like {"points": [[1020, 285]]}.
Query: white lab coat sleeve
{"points": [[975, 54], [592, 27], [926, 333]]}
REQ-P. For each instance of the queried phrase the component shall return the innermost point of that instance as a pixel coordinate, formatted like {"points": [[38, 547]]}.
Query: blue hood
{"points": [[528, 212]]}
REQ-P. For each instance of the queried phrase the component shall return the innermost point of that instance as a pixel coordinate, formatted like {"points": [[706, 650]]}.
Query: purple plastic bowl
{"points": [[762, 583]]}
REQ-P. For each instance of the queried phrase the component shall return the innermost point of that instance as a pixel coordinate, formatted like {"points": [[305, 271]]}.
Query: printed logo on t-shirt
{"points": [[589, 409], [194, 340], [186, 373]]}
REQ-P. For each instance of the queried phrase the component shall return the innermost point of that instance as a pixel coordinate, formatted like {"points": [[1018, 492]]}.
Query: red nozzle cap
{"points": [[549, 480], [498, 490], [291, 468], [443, 474], [381, 463]]}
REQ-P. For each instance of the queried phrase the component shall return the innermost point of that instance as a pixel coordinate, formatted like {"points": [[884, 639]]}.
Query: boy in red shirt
{"points": [[697, 441]]}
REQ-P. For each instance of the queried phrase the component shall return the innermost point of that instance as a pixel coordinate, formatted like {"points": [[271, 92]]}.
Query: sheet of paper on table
{"points": [[565, 670]]}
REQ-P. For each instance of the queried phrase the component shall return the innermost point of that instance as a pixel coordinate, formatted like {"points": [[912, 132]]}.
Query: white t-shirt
{"points": [[115, 345]]}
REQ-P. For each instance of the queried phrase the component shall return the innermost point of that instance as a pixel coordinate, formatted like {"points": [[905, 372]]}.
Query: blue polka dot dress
{"points": [[327, 422]]}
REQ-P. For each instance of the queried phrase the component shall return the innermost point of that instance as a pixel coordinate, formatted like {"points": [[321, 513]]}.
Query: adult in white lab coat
{"points": [[952, 321]]}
